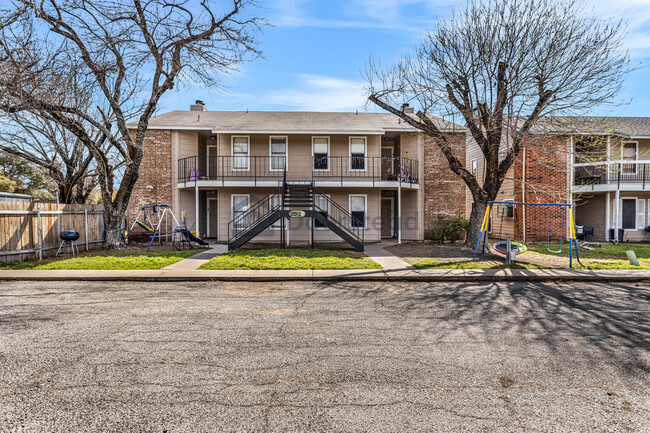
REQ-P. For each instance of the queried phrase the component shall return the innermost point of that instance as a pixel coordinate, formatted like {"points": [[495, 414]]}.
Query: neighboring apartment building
{"points": [[599, 164], [300, 177]]}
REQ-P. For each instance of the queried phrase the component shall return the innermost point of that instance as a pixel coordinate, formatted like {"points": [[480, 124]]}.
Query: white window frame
{"points": [[328, 152], [636, 156], [635, 213], [328, 211], [474, 166], [232, 153], [365, 153], [286, 152], [232, 203], [365, 211]]}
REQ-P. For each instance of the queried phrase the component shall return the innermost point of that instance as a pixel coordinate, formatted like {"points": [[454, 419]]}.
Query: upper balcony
{"points": [[356, 171], [612, 175]]}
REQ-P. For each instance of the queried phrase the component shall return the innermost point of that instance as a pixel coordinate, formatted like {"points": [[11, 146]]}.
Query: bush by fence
{"points": [[30, 230]]}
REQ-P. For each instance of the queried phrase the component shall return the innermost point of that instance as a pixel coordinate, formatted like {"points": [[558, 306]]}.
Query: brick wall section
{"points": [[444, 191], [155, 170], [545, 182]]}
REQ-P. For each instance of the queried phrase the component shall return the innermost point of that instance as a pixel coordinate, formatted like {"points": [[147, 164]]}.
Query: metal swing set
{"points": [[155, 219], [573, 244]]}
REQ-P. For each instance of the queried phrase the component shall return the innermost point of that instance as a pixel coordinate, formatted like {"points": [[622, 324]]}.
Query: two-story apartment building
{"points": [[297, 177], [599, 164]]}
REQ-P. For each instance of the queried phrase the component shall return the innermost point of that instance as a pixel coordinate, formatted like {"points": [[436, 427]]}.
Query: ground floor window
{"points": [[322, 205], [240, 204], [358, 211], [274, 201]]}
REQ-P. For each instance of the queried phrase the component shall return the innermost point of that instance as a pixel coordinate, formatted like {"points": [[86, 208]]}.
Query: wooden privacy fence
{"points": [[31, 230]]}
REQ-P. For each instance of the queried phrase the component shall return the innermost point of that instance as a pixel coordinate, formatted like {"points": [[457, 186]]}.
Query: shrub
{"points": [[450, 229]]}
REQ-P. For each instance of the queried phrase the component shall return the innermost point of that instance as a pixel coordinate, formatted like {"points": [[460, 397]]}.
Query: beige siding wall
{"points": [[591, 212], [188, 144]]}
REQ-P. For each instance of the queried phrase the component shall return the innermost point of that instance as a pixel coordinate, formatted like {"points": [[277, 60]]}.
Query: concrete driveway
{"points": [[321, 357]]}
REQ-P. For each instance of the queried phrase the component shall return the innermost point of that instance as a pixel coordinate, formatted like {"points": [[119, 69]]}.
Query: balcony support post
{"points": [[399, 213], [196, 207]]}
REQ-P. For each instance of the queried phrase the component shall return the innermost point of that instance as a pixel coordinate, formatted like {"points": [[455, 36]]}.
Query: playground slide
{"points": [[188, 234]]}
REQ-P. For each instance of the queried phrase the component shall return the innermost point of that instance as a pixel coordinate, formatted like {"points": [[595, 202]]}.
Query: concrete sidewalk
{"points": [[192, 263], [468, 275]]}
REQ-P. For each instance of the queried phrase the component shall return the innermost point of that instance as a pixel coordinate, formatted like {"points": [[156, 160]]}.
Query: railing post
{"points": [[341, 169], [254, 170], [620, 167], [222, 171], [644, 176], [373, 171]]}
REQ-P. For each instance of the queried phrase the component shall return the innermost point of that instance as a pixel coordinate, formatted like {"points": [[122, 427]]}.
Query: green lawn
{"points": [[106, 260], [291, 259], [607, 256], [426, 263]]}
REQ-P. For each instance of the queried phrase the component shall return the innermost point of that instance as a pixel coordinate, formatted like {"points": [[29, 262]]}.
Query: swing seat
{"points": [[501, 247], [143, 225]]}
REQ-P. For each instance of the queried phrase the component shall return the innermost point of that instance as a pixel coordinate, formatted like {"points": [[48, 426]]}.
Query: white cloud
{"points": [[320, 93]]}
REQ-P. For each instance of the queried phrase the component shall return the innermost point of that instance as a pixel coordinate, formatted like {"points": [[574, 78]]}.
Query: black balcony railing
{"points": [[231, 168], [320, 168], [372, 168], [612, 173]]}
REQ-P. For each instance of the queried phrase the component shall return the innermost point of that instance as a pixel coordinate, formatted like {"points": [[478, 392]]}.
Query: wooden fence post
{"points": [[40, 234], [86, 227]]}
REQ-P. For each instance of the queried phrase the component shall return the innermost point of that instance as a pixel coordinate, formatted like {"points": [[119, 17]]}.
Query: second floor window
{"points": [[278, 153], [628, 155], [240, 153], [321, 150], [357, 153]]}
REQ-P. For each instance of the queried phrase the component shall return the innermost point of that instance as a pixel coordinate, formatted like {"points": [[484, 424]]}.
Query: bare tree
{"points": [[501, 67], [124, 54], [55, 149]]}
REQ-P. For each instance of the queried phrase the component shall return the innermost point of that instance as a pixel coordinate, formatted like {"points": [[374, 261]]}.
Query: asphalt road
{"points": [[339, 357]]}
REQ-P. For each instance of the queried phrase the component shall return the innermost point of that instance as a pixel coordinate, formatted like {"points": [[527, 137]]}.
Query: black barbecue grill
{"points": [[68, 237]]}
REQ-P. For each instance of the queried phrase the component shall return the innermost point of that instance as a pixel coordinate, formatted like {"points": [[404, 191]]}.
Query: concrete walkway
{"points": [[193, 263], [389, 262]]}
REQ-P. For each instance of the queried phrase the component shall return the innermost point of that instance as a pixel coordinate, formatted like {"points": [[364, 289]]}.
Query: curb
{"points": [[451, 275]]}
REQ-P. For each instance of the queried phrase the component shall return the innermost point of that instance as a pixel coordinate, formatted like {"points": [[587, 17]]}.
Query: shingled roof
{"points": [[288, 122], [623, 126]]}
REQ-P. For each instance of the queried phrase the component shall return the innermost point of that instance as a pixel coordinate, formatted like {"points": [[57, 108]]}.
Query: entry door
{"points": [[629, 214], [387, 218], [213, 218], [387, 163]]}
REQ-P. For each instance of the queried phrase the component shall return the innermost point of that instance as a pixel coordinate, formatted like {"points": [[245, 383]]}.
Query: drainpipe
{"points": [[399, 213], [523, 192]]}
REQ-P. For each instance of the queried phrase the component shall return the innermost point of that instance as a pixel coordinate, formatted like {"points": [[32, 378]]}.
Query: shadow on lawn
{"points": [[611, 318]]}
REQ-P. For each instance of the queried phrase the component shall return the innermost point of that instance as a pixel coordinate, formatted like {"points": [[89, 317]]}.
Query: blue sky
{"points": [[317, 49]]}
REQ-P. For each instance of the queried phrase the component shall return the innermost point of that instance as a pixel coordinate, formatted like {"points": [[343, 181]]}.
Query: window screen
{"points": [[358, 210], [278, 153], [323, 207], [321, 153], [240, 205], [357, 153], [240, 153]]}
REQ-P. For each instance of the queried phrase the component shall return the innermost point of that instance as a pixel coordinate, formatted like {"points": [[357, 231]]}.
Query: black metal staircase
{"points": [[297, 201]]}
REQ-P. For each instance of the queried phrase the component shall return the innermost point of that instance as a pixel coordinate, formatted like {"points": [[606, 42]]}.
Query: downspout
{"points": [[570, 162], [523, 192], [196, 206]]}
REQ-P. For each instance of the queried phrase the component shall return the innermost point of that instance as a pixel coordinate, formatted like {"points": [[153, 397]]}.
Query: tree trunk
{"points": [[112, 227], [475, 221]]}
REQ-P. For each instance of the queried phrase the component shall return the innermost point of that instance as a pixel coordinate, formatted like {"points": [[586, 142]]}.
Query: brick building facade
{"points": [[444, 191]]}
